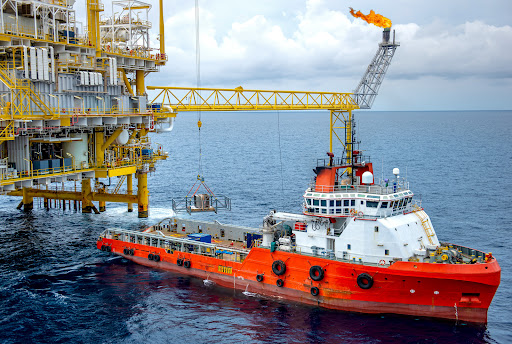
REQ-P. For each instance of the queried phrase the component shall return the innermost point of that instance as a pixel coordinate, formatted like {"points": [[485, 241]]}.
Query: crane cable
{"points": [[198, 82], [280, 156]]}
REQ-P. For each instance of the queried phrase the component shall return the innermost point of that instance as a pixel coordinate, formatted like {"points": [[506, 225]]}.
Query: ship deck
{"points": [[219, 242]]}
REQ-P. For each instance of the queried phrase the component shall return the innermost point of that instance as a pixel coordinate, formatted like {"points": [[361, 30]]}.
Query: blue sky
{"points": [[454, 55]]}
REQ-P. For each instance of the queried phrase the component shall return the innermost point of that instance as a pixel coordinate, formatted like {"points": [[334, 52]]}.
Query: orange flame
{"points": [[372, 18]]}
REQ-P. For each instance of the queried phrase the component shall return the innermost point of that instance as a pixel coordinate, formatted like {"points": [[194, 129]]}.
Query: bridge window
{"points": [[372, 204], [348, 246], [384, 205], [346, 202], [353, 203], [324, 211], [338, 203], [386, 252], [308, 201], [331, 203], [316, 202], [323, 203]]}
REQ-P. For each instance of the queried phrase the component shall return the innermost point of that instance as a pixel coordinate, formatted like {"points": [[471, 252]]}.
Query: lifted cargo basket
{"points": [[201, 203]]}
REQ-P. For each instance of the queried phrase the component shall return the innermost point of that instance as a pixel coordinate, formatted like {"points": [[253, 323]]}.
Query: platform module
{"points": [[73, 103]]}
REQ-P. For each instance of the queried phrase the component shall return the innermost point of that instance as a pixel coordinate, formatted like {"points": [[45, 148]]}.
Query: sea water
{"points": [[56, 287]]}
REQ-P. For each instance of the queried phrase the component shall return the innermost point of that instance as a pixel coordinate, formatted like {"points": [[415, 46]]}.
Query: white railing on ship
{"points": [[372, 189], [125, 235]]}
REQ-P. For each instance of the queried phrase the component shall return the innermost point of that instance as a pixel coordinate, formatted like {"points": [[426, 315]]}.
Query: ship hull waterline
{"points": [[452, 296]]}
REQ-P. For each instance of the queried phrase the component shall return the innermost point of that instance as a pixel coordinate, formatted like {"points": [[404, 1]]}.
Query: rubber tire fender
{"points": [[156, 258], [259, 277], [103, 248], [108, 249], [279, 283], [126, 251], [316, 273], [179, 262], [364, 281], [132, 252], [150, 256], [187, 264], [279, 267], [315, 291]]}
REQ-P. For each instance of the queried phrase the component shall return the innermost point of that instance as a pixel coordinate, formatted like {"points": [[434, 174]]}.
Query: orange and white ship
{"points": [[358, 246]]}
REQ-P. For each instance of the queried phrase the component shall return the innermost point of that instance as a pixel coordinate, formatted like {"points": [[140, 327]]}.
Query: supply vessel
{"points": [[359, 245]]}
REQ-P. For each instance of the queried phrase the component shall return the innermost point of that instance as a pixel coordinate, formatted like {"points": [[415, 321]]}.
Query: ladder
{"points": [[425, 223]]}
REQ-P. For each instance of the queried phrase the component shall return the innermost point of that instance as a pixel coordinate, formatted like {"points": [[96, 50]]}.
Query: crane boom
{"points": [[238, 99], [369, 85]]}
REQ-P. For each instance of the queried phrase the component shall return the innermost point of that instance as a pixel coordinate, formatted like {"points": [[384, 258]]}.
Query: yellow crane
{"points": [[340, 105]]}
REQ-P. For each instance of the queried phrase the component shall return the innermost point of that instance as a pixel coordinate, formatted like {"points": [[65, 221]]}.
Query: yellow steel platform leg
{"points": [[100, 152], [86, 191], [28, 201], [143, 194], [129, 189], [139, 82], [102, 206]]}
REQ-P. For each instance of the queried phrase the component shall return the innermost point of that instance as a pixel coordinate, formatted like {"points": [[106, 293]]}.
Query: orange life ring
{"points": [[353, 212], [382, 262]]}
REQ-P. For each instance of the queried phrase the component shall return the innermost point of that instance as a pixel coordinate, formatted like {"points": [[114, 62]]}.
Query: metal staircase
{"points": [[23, 95], [425, 223], [119, 184]]}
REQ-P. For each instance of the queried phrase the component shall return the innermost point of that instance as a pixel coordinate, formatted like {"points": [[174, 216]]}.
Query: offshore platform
{"points": [[73, 103]]}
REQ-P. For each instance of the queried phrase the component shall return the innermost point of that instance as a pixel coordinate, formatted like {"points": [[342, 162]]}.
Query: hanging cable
{"points": [[280, 156], [198, 83]]}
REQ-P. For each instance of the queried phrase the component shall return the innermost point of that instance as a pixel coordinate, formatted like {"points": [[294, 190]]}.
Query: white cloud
{"points": [[319, 48]]}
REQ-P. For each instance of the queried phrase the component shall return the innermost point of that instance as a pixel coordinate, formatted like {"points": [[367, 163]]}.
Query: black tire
{"points": [[279, 283], [279, 267], [316, 273], [259, 278], [187, 264], [132, 252], [150, 256], [156, 258], [125, 251], [315, 291], [103, 248], [364, 281], [109, 249], [179, 262]]}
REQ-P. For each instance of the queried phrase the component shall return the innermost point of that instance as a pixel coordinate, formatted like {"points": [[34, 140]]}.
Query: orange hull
{"points": [[459, 292]]}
